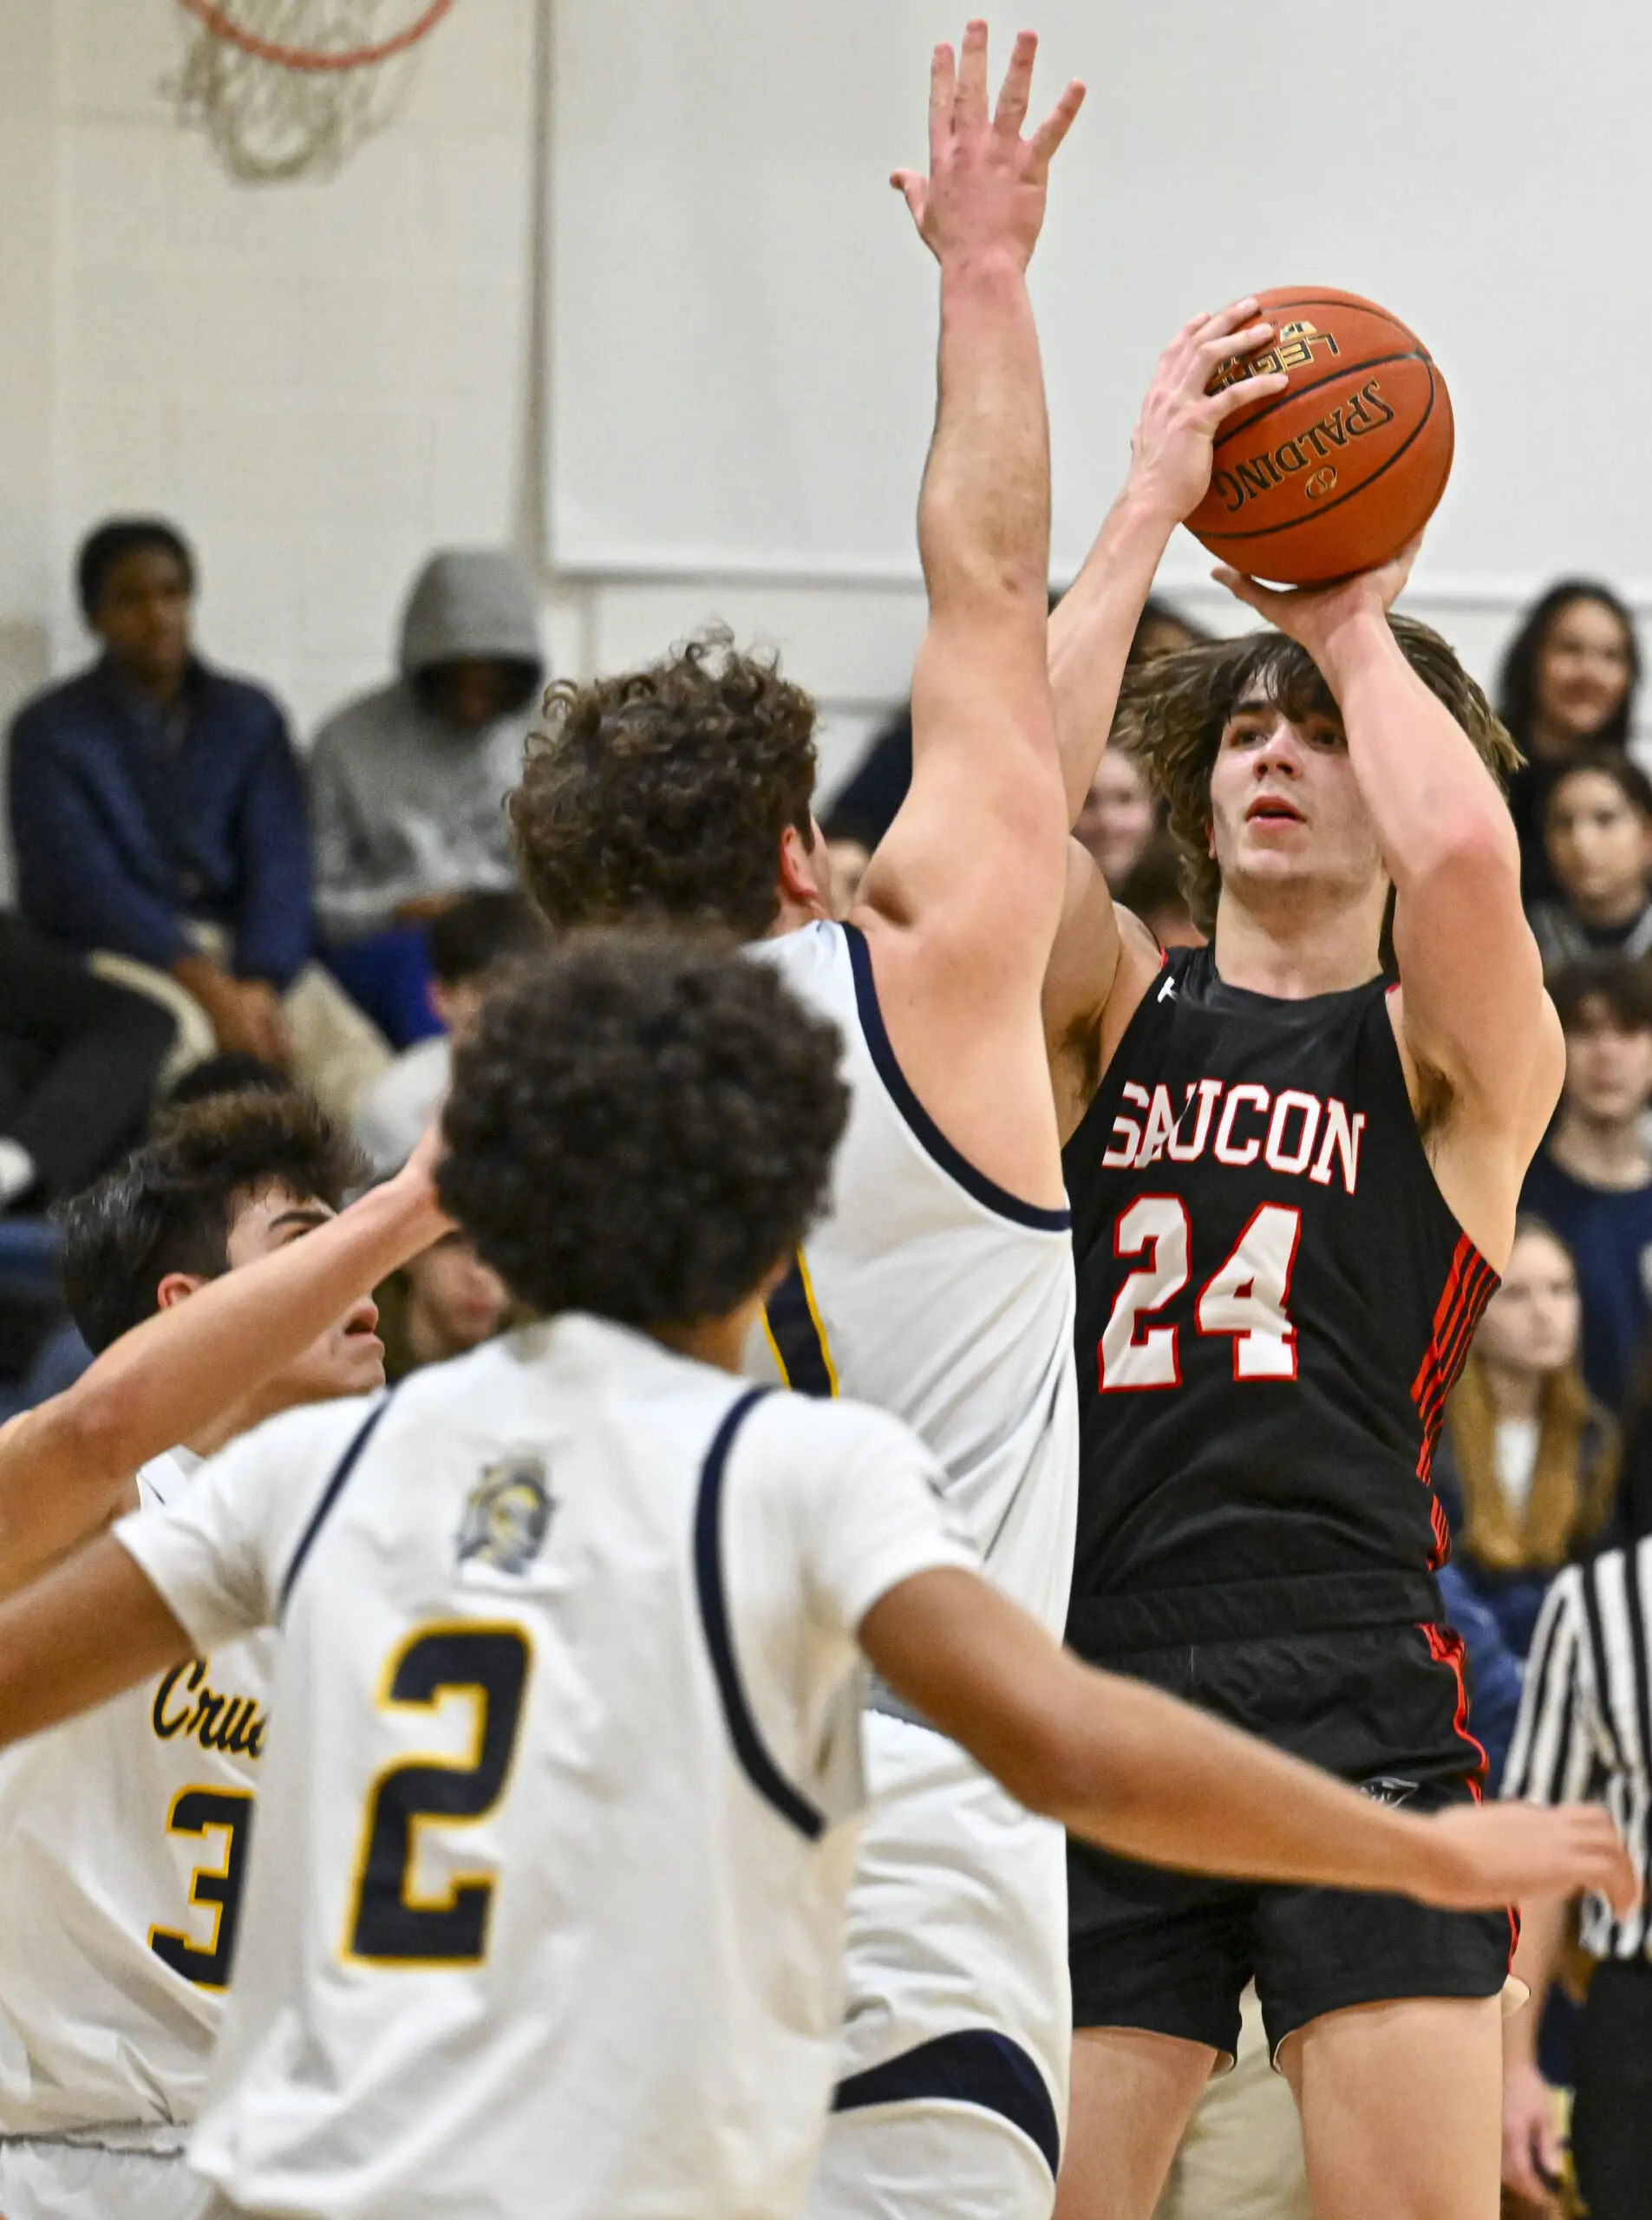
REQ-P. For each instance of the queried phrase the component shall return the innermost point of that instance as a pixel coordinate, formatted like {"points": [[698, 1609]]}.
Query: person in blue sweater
{"points": [[1591, 1180], [158, 816]]}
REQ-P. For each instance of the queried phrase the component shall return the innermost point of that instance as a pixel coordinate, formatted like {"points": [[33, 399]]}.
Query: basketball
{"points": [[1340, 470]]}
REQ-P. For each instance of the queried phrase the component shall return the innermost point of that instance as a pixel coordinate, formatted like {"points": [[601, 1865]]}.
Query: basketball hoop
{"points": [[289, 88]]}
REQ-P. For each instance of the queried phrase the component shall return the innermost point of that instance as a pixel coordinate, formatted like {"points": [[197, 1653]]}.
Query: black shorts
{"points": [[1383, 1709]]}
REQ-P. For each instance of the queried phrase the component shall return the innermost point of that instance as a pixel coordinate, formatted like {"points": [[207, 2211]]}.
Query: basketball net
{"points": [[290, 88]]}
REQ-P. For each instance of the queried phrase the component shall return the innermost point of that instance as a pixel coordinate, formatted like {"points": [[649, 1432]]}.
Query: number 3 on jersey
{"points": [[1245, 1298]]}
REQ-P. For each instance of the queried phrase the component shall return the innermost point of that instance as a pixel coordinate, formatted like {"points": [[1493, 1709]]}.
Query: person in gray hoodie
{"points": [[408, 783]]}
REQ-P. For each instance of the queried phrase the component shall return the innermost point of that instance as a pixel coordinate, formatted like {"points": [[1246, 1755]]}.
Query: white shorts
{"points": [[42, 2180], [956, 2008]]}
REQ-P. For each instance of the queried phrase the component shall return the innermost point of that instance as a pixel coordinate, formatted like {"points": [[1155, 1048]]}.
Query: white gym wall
{"points": [[624, 285]]}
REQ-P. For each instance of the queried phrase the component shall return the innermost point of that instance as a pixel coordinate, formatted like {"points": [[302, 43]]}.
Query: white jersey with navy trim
{"points": [[928, 1290], [126, 1834], [545, 1913]]}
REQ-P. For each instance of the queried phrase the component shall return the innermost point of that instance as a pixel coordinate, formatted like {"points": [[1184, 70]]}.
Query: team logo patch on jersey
{"points": [[508, 1516]]}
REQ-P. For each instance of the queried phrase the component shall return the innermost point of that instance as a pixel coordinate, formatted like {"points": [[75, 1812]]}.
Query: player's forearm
{"points": [[1153, 1778], [62, 1467], [89, 1628], [1543, 1931], [1432, 800], [1090, 633], [983, 513]]}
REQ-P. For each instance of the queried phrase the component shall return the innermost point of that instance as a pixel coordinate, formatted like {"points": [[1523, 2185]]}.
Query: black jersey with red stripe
{"points": [[1274, 1300]]}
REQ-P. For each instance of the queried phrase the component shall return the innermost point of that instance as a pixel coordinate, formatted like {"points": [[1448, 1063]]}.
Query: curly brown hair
{"points": [[641, 1125], [1173, 710], [665, 791]]}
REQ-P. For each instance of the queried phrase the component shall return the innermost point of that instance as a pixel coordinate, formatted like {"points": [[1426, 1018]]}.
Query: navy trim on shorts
{"points": [[331, 1493], [927, 1135], [758, 1768], [973, 2065]]}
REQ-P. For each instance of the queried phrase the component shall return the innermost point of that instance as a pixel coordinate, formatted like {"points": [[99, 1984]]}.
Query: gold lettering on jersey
{"points": [[1294, 1133], [1292, 350], [187, 1704], [1306, 450]]}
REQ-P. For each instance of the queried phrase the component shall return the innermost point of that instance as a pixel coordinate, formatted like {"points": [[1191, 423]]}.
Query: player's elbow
{"points": [[1066, 1768], [1473, 845], [90, 1431]]}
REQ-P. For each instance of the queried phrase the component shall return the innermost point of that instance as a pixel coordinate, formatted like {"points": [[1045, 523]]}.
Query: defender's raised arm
{"points": [[961, 901]]}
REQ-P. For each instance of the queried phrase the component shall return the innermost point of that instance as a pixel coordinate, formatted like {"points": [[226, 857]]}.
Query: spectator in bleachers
{"points": [[80, 1061], [1597, 834], [1527, 1470], [444, 1303], [1152, 891], [469, 941], [158, 815], [408, 783], [1591, 1180], [1119, 819], [1567, 684]]}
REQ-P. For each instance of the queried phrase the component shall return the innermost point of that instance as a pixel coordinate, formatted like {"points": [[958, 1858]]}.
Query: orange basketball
{"points": [[1345, 465]]}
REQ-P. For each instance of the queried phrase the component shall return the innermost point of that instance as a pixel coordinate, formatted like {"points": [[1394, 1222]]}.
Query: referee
{"points": [[1585, 1732]]}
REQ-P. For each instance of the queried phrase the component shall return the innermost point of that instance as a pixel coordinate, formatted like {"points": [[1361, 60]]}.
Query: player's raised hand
{"points": [[1315, 616], [1530, 2136], [986, 186], [1172, 446], [415, 1183], [1487, 1855]]}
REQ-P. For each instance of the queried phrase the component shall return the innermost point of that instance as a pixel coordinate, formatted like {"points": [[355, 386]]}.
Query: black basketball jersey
{"points": [[1273, 1301]]}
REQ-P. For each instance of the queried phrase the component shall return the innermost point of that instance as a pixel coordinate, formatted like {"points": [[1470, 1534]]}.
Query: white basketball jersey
{"points": [[123, 1843], [929, 1291], [545, 1914]]}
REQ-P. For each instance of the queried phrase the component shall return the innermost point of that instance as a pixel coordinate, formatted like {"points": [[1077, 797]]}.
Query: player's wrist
{"points": [[993, 269], [1147, 511]]}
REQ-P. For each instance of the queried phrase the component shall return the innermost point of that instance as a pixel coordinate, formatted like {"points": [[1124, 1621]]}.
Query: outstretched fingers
{"points": [[1046, 139], [1012, 111], [943, 92], [913, 187], [970, 108]]}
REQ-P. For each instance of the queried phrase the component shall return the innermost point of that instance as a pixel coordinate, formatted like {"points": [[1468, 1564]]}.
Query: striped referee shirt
{"points": [[1585, 1733]]}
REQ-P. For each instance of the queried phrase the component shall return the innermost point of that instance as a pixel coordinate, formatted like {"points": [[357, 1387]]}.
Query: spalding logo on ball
{"points": [[1346, 465]]}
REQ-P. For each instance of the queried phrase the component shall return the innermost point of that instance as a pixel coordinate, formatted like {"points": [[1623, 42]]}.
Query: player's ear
{"points": [[806, 868], [176, 1287]]}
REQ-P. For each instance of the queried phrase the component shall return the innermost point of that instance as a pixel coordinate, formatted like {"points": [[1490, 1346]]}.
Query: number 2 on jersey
{"points": [[1246, 1297], [389, 1922]]}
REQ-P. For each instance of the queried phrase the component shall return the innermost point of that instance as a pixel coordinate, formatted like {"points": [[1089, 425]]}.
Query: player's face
{"points": [[1582, 670], [462, 1301], [349, 1358], [1532, 1323], [1609, 1068], [1285, 811], [1599, 844]]}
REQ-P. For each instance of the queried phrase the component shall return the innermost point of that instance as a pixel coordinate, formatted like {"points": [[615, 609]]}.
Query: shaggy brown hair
{"points": [[1173, 710], [664, 792], [170, 1206]]}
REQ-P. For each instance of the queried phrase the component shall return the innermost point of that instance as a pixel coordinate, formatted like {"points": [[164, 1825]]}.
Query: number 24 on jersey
{"points": [[1246, 1297]]}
